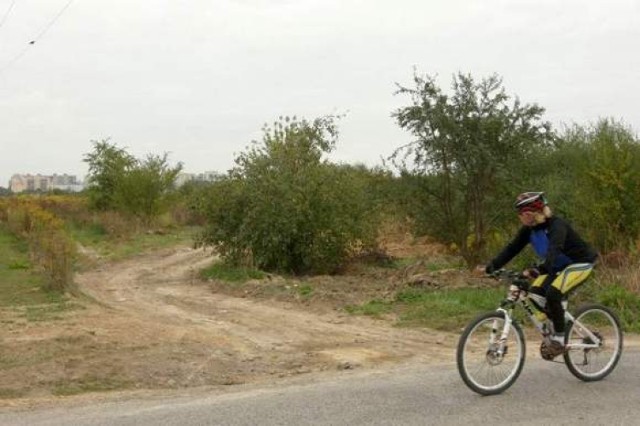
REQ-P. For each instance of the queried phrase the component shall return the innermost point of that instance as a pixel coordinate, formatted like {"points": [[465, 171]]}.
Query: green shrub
{"points": [[593, 178], [284, 208]]}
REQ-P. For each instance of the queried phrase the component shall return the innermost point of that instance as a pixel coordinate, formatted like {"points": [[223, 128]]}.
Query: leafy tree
{"points": [[143, 190], [286, 208], [118, 181], [471, 148], [108, 165]]}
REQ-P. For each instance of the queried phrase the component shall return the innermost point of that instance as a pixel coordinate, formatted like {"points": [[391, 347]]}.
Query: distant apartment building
{"points": [[183, 178], [65, 182], [44, 183]]}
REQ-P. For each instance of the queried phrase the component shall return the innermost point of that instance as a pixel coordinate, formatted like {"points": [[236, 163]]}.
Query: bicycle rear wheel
{"points": [[591, 364], [481, 365]]}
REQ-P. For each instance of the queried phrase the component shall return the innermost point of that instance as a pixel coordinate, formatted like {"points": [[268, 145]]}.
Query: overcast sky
{"points": [[198, 79]]}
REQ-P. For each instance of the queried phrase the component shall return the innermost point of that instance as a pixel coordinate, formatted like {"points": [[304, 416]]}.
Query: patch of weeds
{"points": [[624, 302], [305, 290], [90, 234], [236, 274], [19, 265], [445, 309], [89, 384], [374, 308], [11, 393]]}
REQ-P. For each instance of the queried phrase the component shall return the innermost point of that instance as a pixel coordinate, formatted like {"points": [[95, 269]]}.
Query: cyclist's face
{"points": [[527, 218]]}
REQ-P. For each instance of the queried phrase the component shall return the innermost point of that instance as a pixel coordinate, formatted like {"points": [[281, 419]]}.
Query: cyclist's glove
{"points": [[532, 273]]}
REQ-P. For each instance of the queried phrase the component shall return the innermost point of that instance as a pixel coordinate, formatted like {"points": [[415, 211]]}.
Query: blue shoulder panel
{"points": [[540, 243]]}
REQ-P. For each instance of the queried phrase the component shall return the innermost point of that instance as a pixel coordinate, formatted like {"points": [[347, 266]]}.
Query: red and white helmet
{"points": [[530, 201]]}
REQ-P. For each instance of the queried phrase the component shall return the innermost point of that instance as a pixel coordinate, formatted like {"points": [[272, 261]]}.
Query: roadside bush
{"points": [[50, 247], [593, 178], [285, 208]]}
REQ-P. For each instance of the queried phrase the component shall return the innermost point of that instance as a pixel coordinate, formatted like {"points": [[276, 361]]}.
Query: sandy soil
{"points": [[152, 324]]}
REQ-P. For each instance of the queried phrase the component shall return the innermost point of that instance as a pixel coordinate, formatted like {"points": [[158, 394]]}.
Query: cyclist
{"points": [[567, 261]]}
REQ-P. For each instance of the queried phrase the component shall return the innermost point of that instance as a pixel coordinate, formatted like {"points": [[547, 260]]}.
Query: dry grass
{"points": [[626, 275], [396, 239]]}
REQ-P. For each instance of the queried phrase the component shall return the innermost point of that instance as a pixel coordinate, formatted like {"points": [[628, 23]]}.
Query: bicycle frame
{"points": [[518, 296]]}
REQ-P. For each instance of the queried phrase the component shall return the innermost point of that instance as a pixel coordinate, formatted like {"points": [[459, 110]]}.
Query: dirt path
{"points": [[157, 299]]}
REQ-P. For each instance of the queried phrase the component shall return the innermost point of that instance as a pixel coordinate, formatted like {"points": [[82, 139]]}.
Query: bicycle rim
{"points": [[478, 364], [594, 363]]}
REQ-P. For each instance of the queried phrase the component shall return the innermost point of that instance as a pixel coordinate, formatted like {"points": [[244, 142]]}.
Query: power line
{"points": [[53, 21], [36, 38], [6, 14]]}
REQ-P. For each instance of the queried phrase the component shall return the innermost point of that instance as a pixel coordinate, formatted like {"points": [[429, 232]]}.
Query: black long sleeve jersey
{"points": [[554, 241]]}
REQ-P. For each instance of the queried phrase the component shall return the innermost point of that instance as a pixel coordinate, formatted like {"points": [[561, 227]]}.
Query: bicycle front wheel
{"points": [[586, 362], [487, 365]]}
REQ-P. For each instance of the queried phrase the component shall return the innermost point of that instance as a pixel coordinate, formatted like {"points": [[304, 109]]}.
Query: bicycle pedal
{"points": [[549, 351]]}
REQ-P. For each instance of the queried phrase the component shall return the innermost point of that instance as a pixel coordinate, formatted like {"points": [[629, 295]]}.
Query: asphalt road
{"points": [[546, 393]]}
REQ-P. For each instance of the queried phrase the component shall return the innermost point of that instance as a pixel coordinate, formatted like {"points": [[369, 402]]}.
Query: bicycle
{"points": [[491, 350]]}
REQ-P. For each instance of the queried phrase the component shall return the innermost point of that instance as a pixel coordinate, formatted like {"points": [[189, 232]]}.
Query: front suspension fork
{"points": [[498, 338]]}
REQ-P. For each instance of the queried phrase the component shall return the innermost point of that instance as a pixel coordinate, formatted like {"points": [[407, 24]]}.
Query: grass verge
{"points": [[447, 309], [451, 309], [20, 283], [614, 294], [234, 274]]}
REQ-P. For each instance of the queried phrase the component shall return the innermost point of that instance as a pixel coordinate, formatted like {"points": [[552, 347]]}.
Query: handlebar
{"points": [[512, 277]]}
